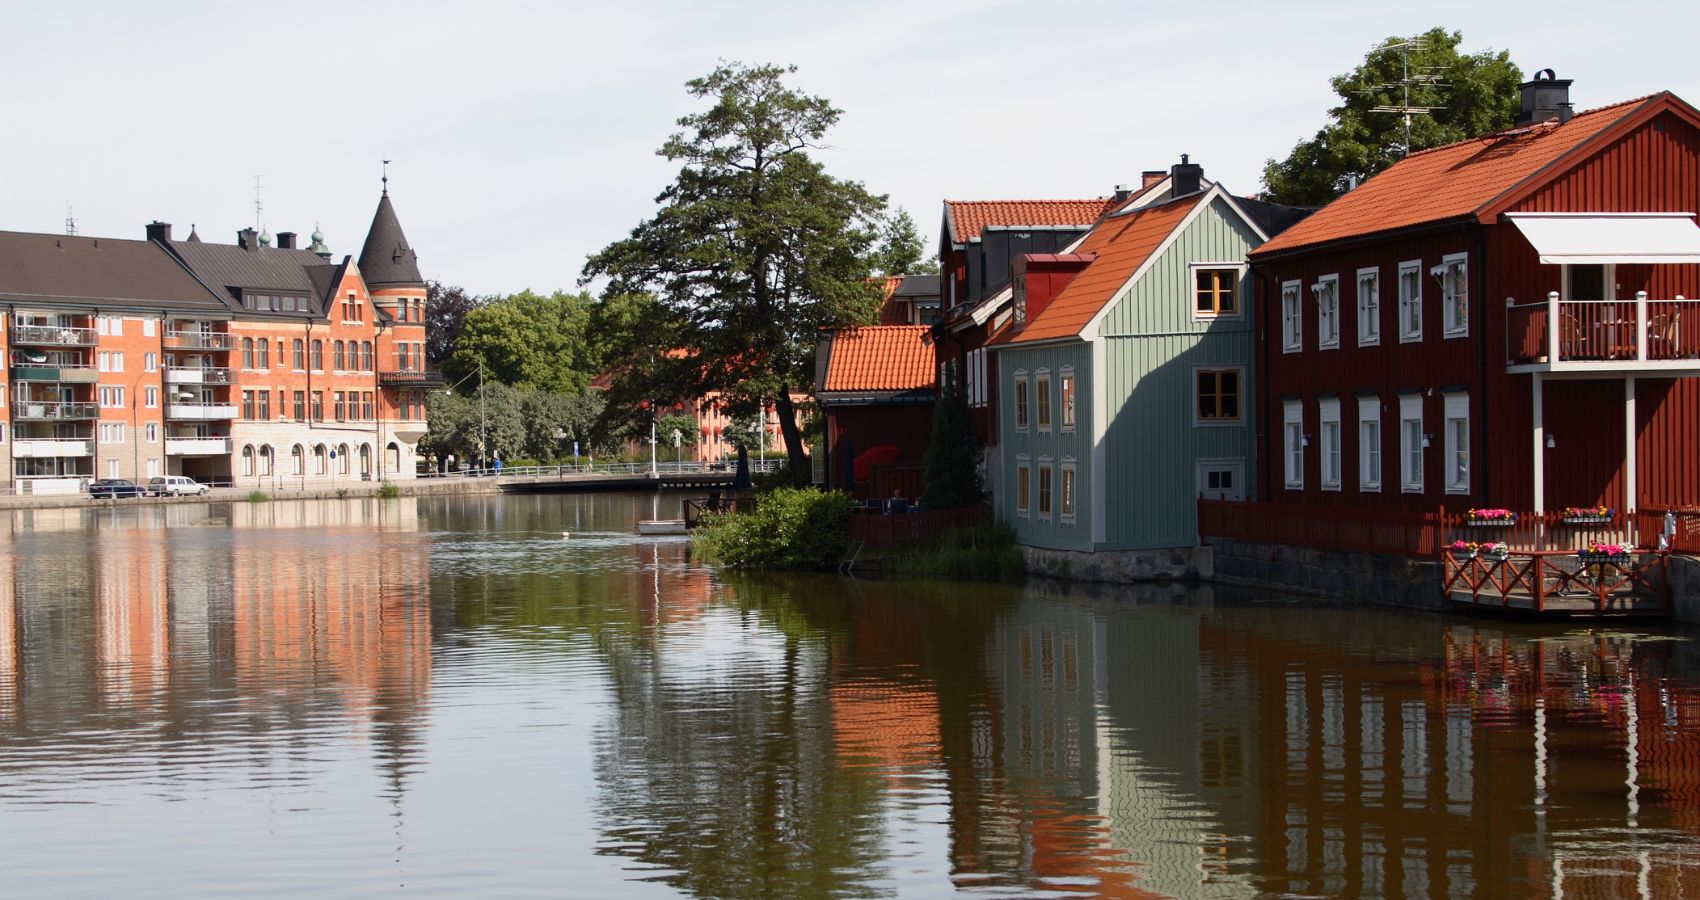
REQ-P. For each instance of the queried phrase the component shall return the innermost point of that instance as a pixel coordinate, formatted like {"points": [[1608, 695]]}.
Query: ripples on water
{"points": [[447, 696]]}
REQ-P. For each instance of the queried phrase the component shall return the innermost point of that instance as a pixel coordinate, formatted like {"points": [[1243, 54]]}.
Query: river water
{"points": [[447, 695]]}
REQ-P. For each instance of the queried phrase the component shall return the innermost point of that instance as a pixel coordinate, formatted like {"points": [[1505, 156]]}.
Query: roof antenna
{"points": [[386, 178], [257, 204], [1426, 75], [70, 220]]}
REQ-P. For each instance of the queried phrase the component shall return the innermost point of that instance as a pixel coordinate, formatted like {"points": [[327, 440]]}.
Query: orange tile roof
{"points": [[881, 358], [970, 217], [1122, 245], [1447, 182]]}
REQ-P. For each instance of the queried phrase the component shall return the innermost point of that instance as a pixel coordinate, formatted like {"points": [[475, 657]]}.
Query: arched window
{"points": [[319, 460], [247, 353], [248, 460], [297, 460], [300, 355], [338, 362], [263, 358], [265, 460], [393, 454], [318, 355], [342, 458], [365, 459], [365, 356]]}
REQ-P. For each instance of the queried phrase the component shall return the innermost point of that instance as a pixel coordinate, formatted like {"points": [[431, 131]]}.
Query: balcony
{"points": [[197, 446], [1605, 337], [199, 411], [200, 340], [427, 378], [53, 336], [44, 411], [46, 448], [199, 375], [43, 372]]}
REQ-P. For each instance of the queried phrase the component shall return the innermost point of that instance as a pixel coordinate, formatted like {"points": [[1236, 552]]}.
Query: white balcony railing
{"points": [[1614, 335], [199, 411], [199, 375], [35, 411], [200, 340], [197, 446], [47, 448], [53, 335]]}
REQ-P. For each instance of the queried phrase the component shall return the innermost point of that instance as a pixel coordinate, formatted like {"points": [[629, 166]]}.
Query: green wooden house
{"points": [[1126, 379]]}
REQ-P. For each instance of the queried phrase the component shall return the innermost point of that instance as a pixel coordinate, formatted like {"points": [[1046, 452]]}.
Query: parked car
{"points": [[114, 488], [174, 485]]}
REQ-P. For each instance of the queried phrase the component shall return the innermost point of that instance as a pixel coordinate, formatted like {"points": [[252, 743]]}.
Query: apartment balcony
{"points": [[422, 378], [197, 446], [199, 411], [44, 372], [199, 375], [43, 411], [200, 340], [1608, 338], [46, 448], [53, 336]]}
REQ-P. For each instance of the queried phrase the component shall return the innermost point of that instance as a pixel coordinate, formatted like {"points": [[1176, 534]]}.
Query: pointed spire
{"points": [[193, 237], [386, 260]]}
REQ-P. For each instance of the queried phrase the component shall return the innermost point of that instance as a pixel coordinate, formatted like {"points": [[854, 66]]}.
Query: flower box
{"points": [[1490, 518], [1490, 523], [1596, 559], [1496, 555], [1586, 520], [1461, 555], [1586, 515]]}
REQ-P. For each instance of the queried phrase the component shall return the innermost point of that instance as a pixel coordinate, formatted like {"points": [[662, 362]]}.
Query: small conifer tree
{"points": [[953, 460]]}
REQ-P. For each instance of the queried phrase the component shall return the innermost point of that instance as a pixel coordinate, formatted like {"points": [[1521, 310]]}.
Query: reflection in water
{"points": [[445, 695]]}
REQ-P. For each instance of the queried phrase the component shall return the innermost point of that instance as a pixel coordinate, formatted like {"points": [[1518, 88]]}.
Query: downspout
{"points": [[1260, 434], [1478, 436]]}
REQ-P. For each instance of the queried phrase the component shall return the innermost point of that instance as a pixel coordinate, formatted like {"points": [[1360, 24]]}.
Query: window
{"points": [[299, 412], [1455, 293], [150, 361], [248, 459], [1215, 292], [263, 354], [265, 404], [1410, 301], [319, 460], [1066, 502], [1023, 486], [318, 355], [1328, 430], [112, 468], [337, 361], [318, 406], [1411, 443], [265, 459], [153, 432], [342, 454], [1327, 291], [1293, 442], [300, 355], [1020, 401], [1042, 392], [1066, 377], [1369, 307], [150, 397], [1457, 418], [297, 460], [337, 398], [247, 404], [365, 356], [1217, 396], [1369, 444], [112, 432], [1292, 326], [111, 397], [401, 356], [247, 353], [1045, 488], [368, 406], [148, 327]]}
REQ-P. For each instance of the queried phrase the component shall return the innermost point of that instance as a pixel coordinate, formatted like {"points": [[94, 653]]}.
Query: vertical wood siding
{"points": [[1057, 444]]}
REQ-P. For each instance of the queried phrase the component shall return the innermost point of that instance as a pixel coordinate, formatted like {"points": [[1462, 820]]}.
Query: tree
{"points": [[455, 424], [527, 340], [445, 311], [754, 250], [554, 422], [1475, 94], [953, 458], [901, 250]]}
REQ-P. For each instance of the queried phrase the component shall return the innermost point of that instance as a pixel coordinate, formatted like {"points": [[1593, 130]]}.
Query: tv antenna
{"points": [[258, 206], [70, 219], [1429, 76]]}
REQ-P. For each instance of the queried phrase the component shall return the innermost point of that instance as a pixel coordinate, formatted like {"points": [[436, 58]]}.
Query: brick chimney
{"points": [[248, 239], [1545, 97], [1150, 177], [159, 231], [286, 240]]}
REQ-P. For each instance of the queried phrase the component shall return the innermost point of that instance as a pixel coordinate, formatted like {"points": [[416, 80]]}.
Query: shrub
{"points": [[953, 457], [257, 497], [791, 528], [387, 491], [984, 551]]}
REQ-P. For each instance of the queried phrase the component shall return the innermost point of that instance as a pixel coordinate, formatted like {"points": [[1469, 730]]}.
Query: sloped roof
{"points": [[1122, 244], [387, 260], [1449, 182], [918, 286], [880, 358], [232, 266], [968, 218], [57, 268]]}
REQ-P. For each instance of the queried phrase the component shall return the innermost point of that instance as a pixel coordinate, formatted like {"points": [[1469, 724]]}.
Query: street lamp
{"points": [[481, 422]]}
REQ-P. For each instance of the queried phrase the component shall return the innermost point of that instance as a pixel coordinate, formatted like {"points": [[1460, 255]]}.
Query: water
{"points": [[445, 696]]}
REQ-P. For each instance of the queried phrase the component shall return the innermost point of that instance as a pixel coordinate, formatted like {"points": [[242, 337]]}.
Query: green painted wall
{"points": [[1053, 448]]}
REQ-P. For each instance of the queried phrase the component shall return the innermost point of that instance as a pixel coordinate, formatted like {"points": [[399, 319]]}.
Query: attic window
{"points": [[1214, 291]]}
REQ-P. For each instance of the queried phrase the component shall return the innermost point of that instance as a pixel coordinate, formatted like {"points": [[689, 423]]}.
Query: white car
{"points": [[175, 485]]}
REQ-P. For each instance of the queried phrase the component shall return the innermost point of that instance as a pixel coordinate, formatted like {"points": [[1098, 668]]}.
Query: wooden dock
{"points": [[1554, 584]]}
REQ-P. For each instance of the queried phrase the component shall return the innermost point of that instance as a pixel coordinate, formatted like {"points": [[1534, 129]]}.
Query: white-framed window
{"points": [[1292, 320], [1328, 431], [111, 396], [1023, 486], [1216, 289], [1454, 274], [1065, 381], [1046, 474], [150, 361], [148, 327], [1217, 395], [1020, 399], [1042, 399], [112, 432], [1065, 501], [1327, 291], [1369, 444], [1456, 416], [153, 468], [248, 459], [976, 377], [1410, 301], [1411, 440], [112, 469], [1293, 443], [103, 361], [150, 397], [1369, 307], [153, 432]]}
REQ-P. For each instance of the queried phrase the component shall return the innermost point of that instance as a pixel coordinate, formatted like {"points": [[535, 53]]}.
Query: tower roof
{"points": [[387, 260]]}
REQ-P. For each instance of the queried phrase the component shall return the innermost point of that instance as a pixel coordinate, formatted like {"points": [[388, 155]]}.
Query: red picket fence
{"points": [[877, 530], [1685, 530], [1549, 531], [1322, 527]]}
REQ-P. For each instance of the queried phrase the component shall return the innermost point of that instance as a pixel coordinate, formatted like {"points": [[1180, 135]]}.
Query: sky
{"points": [[523, 135]]}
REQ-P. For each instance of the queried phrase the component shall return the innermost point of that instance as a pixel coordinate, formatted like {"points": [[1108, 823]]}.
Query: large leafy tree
{"points": [[527, 340], [901, 250], [755, 248], [446, 307], [1474, 93]]}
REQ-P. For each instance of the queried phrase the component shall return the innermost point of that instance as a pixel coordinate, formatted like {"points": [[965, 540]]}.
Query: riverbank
{"points": [[420, 488]]}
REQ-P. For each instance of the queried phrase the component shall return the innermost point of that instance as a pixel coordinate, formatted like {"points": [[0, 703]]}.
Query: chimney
{"points": [[248, 239], [1546, 97], [159, 231], [1150, 177], [1121, 194], [1188, 178], [286, 240]]}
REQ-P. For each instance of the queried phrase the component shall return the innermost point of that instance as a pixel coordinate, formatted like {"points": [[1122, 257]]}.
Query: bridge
{"points": [[619, 476]]}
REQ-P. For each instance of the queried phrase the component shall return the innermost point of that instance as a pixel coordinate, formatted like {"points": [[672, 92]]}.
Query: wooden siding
{"points": [[1056, 445], [1655, 168]]}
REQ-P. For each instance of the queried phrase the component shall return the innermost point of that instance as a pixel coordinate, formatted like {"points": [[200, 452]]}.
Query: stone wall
{"points": [[1360, 577], [1120, 566], [1685, 588]]}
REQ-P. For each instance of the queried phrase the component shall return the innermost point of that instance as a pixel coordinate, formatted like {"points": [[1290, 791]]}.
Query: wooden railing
{"points": [[1541, 579], [906, 480], [1326, 528], [876, 530], [1639, 330], [1680, 526], [1547, 532]]}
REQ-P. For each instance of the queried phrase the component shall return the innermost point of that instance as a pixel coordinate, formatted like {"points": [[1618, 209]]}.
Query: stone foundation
{"points": [[1685, 588], [1120, 566], [1359, 577]]}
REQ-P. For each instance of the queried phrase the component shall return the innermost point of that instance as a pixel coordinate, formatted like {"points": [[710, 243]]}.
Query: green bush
{"points": [[387, 491], [257, 497], [985, 551], [791, 528]]}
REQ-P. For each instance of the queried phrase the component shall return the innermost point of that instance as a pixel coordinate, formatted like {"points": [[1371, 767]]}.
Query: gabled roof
{"points": [[57, 268], [1468, 178], [968, 218], [1121, 244], [880, 358], [387, 260], [918, 286]]}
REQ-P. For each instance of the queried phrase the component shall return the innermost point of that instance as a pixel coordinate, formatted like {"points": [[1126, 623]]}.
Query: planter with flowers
{"points": [[1597, 553], [1495, 551], [1490, 518], [1587, 515], [1463, 550]]}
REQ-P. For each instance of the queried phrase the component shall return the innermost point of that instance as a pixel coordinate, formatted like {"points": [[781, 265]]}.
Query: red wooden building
{"points": [[1500, 322], [877, 385]]}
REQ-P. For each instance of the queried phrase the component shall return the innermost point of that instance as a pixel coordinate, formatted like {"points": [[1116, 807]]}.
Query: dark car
{"points": [[114, 488]]}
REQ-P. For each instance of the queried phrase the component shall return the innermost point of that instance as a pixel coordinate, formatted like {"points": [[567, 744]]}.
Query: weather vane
{"points": [[386, 178]]}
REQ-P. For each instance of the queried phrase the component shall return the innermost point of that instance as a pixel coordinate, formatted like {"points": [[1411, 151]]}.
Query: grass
{"points": [[257, 497], [984, 551], [387, 491]]}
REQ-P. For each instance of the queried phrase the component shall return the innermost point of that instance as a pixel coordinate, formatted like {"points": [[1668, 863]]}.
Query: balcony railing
{"points": [[197, 446], [76, 374], [41, 411], [426, 378], [197, 410], [32, 448], [1607, 335], [200, 340], [53, 335], [199, 375]]}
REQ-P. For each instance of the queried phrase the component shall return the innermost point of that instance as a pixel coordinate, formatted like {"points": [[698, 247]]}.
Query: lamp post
{"points": [[481, 421]]}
